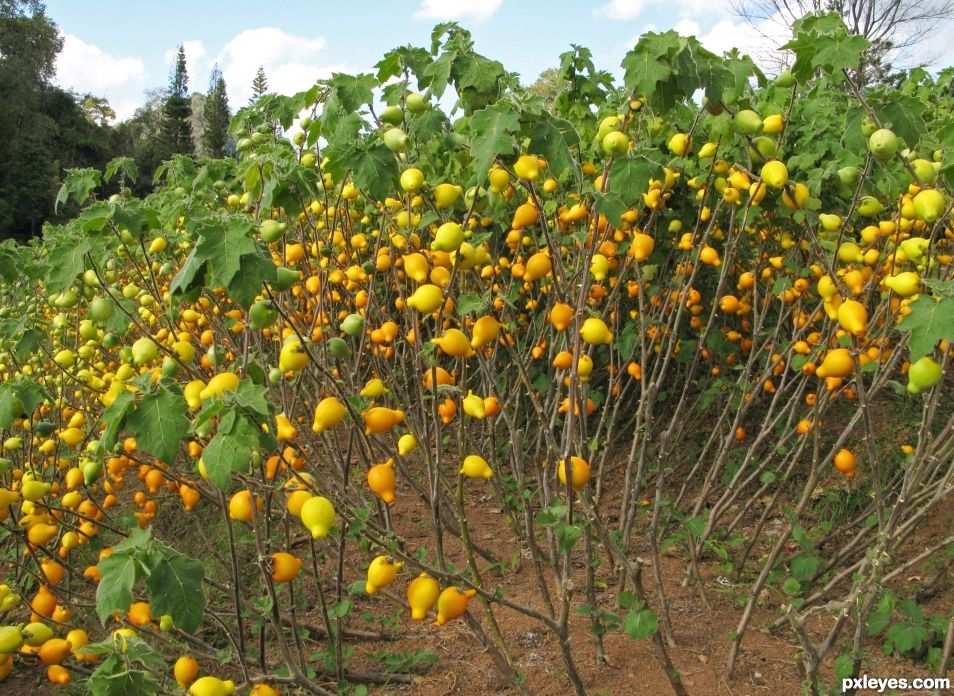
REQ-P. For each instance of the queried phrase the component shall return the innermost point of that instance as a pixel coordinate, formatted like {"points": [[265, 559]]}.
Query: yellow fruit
{"points": [[373, 389], [448, 237], [426, 299], [486, 330], [853, 317], [185, 670], [837, 363], [318, 516], [412, 180], [34, 490], [422, 595], [380, 419], [54, 651], [447, 195], [581, 472], [240, 506], [475, 466], [191, 394], [296, 501], [212, 686], [772, 125], [595, 332], [452, 603], [524, 216], [473, 406], [381, 573], [36, 634], [222, 382], [527, 168], [455, 343], [774, 173], [292, 357], [285, 567], [904, 284], [407, 444], [284, 428], [537, 267], [679, 144], [561, 316], [381, 480], [328, 413], [72, 437], [39, 534]]}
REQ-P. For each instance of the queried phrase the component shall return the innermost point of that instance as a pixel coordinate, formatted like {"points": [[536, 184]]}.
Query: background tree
{"points": [[259, 85], [138, 137], [175, 135], [97, 110], [896, 28], [29, 43], [548, 86], [215, 133]]}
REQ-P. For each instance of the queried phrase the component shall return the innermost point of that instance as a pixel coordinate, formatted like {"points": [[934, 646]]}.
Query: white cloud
{"points": [[622, 9], [292, 63], [686, 27], [84, 68], [477, 10], [761, 41]]}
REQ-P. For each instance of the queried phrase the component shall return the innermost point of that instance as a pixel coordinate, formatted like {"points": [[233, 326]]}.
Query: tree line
{"points": [[46, 130]]}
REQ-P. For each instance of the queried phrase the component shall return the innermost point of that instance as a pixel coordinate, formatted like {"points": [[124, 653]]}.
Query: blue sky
{"points": [[119, 49]]}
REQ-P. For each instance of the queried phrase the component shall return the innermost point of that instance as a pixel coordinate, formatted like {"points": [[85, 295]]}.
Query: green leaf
{"points": [[555, 138], [470, 302], [114, 591], [567, 535], [641, 624], [175, 588], [126, 165], [223, 246], [930, 321], [493, 132], [28, 343], [252, 396], [230, 451], [353, 91], [137, 539], [254, 270], [66, 263], [159, 424], [113, 417], [792, 587], [629, 178], [804, 566], [123, 682], [375, 169], [645, 66], [79, 184]]}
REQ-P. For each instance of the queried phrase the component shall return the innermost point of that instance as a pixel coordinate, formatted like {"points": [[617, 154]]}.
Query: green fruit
{"points": [[929, 205], [352, 324], [263, 314], [243, 145], [925, 171], [482, 200], [67, 299], [868, 126], [883, 144], [5, 465], [170, 367], [747, 122], [848, 175], [417, 103], [90, 279], [274, 376], [144, 350], [308, 160], [392, 115], [764, 149], [10, 639], [615, 144], [92, 470], [271, 230], [36, 634], [395, 139], [88, 331], [870, 206], [923, 374], [285, 277], [607, 126], [166, 623], [110, 341], [914, 248], [785, 79], [338, 348], [215, 355]]}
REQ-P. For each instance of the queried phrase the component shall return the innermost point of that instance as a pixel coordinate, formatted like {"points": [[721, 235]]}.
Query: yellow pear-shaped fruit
{"points": [[422, 595], [381, 573], [475, 466], [318, 516]]}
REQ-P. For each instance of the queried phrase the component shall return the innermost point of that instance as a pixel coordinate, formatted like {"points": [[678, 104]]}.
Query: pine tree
{"points": [[259, 85], [216, 116], [175, 134]]}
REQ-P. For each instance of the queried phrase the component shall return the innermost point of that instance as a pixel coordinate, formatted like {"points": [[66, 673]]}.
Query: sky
{"points": [[119, 48]]}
